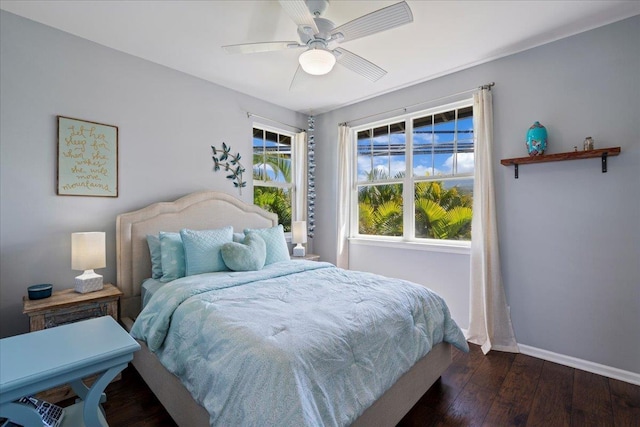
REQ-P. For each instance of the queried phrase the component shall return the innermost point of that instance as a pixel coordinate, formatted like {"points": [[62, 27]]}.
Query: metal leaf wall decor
{"points": [[231, 163]]}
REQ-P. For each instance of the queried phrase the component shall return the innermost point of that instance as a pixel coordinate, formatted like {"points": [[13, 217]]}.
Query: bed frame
{"points": [[207, 210]]}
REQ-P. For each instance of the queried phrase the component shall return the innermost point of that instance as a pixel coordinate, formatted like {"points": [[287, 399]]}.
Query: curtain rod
{"points": [[485, 86], [274, 121]]}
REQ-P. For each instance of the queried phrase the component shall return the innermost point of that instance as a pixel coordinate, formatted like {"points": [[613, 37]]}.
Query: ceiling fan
{"points": [[319, 36]]}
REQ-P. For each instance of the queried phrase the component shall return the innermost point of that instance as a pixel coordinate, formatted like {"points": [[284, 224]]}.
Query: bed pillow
{"points": [[202, 249], [238, 237], [277, 249], [249, 255], [172, 255], [156, 256]]}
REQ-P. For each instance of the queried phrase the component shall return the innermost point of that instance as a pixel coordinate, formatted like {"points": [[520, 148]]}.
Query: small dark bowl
{"points": [[40, 291]]}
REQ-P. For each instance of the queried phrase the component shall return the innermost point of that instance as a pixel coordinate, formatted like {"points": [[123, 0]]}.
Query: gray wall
{"points": [[167, 122], [569, 235]]}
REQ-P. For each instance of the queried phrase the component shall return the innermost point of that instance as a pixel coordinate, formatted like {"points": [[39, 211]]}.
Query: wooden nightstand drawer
{"points": [[75, 314]]}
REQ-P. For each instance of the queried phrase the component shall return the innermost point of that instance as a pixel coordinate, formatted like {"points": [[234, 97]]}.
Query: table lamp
{"points": [[299, 236], [87, 253]]}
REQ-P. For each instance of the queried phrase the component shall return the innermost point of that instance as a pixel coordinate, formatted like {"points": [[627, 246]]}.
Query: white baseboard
{"points": [[573, 362], [585, 365]]}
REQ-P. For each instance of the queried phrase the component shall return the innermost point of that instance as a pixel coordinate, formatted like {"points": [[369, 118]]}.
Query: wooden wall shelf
{"points": [[603, 153]]}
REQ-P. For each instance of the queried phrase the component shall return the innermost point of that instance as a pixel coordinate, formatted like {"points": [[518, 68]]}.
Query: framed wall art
{"points": [[87, 158]]}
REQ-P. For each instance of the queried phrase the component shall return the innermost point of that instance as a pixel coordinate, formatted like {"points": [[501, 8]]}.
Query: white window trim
{"points": [[431, 245], [292, 186], [274, 184], [436, 245]]}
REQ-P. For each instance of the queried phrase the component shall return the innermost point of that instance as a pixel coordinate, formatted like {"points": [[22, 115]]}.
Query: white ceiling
{"points": [[446, 36]]}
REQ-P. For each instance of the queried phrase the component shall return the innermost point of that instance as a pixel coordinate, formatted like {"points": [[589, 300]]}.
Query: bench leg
{"points": [[93, 396], [81, 390]]}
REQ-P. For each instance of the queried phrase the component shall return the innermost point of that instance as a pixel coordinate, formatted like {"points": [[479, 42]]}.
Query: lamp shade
{"points": [[299, 232], [317, 61], [88, 250]]}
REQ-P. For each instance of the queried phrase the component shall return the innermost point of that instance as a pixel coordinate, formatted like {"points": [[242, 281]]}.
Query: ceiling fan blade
{"points": [[299, 13], [381, 20], [260, 47], [297, 78], [359, 65]]}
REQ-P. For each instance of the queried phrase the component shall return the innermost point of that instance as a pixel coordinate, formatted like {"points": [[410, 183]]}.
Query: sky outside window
{"points": [[272, 155], [381, 149], [442, 147]]}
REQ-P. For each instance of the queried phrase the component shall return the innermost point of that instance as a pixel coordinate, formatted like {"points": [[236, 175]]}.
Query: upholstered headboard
{"points": [[197, 211]]}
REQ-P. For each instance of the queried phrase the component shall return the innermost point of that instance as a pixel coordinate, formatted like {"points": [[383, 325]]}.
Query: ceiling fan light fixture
{"points": [[317, 61]]}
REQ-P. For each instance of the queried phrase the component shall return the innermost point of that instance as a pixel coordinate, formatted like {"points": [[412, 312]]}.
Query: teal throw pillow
{"points": [[172, 254], [249, 255], [156, 256], [202, 249], [277, 249]]}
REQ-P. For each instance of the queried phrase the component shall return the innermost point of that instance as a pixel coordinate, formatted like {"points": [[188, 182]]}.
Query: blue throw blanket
{"points": [[295, 344]]}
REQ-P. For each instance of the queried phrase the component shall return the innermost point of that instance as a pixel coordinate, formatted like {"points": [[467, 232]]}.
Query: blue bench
{"points": [[38, 361]]}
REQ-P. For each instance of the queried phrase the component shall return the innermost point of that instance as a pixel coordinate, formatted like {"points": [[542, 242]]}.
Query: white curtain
{"points": [[344, 187], [300, 175], [489, 318]]}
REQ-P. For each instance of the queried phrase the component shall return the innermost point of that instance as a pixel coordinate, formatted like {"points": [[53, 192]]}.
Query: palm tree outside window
{"points": [[273, 187]]}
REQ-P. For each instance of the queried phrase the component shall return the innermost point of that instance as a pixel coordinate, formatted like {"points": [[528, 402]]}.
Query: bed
{"points": [[213, 210]]}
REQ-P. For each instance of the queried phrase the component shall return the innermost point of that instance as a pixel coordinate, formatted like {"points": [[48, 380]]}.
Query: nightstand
{"points": [[307, 257], [69, 306]]}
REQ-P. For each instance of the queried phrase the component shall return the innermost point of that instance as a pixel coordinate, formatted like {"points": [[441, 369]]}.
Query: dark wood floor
{"points": [[500, 389]]}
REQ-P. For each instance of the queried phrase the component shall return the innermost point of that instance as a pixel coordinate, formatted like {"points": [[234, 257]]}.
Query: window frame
{"points": [[292, 186], [408, 239]]}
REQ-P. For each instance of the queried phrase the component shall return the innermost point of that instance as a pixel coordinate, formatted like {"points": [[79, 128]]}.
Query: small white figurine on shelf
{"points": [[588, 143]]}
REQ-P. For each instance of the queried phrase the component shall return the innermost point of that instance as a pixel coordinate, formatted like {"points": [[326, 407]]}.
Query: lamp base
{"points": [[299, 250], [88, 282]]}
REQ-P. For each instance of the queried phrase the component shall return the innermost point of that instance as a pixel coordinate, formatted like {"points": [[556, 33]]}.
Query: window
{"points": [[414, 176], [273, 187]]}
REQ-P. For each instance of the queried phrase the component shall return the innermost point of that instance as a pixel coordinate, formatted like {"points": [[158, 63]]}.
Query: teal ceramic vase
{"points": [[536, 139]]}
